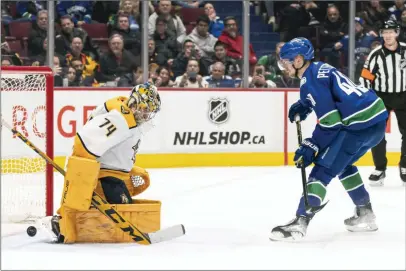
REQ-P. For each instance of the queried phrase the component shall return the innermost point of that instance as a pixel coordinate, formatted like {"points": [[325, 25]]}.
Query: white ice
{"points": [[228, 214]]}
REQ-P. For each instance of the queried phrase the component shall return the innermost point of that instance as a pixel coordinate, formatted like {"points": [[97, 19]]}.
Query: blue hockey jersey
{"points": [[78, 10], [338, 102]]}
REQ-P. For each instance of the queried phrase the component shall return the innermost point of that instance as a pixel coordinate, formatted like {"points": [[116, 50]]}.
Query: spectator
{"points": [[375, 16], [58, 74], [333, 29], [396, 10], [6, 61], [132, 39], [189, 3], [64, 38], [7, 52], [375, 44], [234, 41], [363, 43], [5, 14], [131, 79], [42, 57], [105, 11], [189, 51], [79, 11], [285, 81], [291, 18], [203, 40], [175, 24], [165, 43], [270, 62], [71, 76], [157, 55], [402, 24], [163, 79], [82, 77], [116, 62], [232, 66], [131, 8], [216, 25], [89, 65], [38, 34], [191, 78], [258, 79], [217, 77], [28, 9]]}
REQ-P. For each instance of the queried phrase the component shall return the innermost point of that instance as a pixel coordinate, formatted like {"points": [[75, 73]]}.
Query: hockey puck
{"points": [[31, 231]]}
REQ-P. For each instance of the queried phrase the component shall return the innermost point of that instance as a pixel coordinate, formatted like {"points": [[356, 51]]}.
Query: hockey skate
{"points": [[363, 220], [293, 231], [402, 172], [377, 178], [54, 230]]}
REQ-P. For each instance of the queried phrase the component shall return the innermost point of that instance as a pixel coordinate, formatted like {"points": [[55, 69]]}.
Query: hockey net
{"points": [[27, 106]]}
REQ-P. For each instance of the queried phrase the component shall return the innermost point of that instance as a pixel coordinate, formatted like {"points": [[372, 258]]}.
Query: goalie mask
{"points": [[144, 101]]}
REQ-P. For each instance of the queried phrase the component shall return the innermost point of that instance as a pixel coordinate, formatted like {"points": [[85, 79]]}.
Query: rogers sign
{"points": [[66, 124]]}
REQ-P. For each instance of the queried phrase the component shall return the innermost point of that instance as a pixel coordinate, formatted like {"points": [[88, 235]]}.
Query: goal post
{"points": [[26, 180]]}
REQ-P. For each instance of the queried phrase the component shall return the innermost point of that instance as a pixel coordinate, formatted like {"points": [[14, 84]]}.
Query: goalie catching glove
{"points": [[139, 179]]}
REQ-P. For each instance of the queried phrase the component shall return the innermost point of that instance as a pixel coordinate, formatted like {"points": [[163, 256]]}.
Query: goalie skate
{"points": [[293, 231], [363, 220]]}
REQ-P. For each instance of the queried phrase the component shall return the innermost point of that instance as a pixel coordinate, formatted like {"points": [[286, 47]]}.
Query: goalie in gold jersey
{"points": [[103, 157]]}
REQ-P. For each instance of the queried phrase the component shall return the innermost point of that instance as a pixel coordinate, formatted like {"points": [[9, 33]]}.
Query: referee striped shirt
{"points": [[385, 70]]}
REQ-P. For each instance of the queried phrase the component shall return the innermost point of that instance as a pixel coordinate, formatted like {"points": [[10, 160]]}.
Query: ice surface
{"points": [[228, 214]]}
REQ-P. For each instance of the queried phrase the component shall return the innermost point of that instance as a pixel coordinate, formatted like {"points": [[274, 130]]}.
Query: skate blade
{"points": [[279, 237], [363, 228]]}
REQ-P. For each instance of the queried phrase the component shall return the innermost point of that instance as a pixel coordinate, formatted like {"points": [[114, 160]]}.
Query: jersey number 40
{"points": [[348, 86]]}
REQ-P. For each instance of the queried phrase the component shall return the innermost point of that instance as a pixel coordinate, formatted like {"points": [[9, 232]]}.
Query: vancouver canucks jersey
{"points": [[111, 135], [338, 102]]}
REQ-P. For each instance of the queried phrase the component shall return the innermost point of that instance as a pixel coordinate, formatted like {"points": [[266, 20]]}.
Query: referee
{"points": [[385, 72]]}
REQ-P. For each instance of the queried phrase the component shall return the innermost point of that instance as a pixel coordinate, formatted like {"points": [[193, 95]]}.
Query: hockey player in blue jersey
{"points": [[352, 120]]}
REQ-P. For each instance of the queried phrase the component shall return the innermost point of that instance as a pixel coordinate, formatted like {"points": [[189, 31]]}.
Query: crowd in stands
{"points": [[98, 43]]}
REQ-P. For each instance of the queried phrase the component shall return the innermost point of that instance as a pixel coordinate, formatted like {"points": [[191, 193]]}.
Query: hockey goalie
{"points": [[103, 160]]}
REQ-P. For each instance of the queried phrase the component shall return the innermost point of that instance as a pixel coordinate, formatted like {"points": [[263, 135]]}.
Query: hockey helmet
{"points": [[145, 102], [297, 46], [390, 24], [293, 48]]}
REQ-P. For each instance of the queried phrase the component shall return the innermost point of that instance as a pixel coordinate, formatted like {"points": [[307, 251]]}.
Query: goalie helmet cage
{"points": [[27, 180]]}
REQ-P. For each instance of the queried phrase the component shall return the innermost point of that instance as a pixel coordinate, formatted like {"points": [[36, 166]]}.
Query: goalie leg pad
{"points": [[94, 227], [67, 224], [80, 181]]}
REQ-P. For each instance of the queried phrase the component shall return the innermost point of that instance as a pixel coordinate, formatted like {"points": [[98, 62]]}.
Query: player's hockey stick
{"points": [[105, 208], [309, 209]]}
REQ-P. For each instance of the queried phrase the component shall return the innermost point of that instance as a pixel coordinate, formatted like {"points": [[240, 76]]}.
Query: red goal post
{"points": [[27, 102]]}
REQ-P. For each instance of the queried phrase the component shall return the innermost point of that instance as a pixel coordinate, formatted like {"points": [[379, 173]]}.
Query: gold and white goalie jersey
{"points": [[110, 136]]}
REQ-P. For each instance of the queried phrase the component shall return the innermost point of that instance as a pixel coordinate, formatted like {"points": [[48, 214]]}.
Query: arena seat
{"points": [[96, 30], [20, 30]]}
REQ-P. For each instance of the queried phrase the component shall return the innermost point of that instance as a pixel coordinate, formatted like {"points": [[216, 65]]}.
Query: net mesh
{"points": [[23, 182]]}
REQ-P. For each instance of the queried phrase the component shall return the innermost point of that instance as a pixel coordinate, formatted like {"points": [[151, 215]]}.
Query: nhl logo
{"points": [[218, 110]]}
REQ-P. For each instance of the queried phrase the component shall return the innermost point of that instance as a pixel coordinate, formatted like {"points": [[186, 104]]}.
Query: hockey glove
{"points": [[306, 153], [299, 108]]}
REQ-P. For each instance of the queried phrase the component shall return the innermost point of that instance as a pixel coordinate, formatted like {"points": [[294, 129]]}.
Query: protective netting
{"points": [[23, 180]]}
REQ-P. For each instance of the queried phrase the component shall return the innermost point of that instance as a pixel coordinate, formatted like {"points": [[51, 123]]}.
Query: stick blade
{"points": [[167, 234]]}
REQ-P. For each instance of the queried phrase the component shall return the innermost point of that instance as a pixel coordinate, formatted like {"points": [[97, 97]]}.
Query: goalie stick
{"points": [[105, 208], [309, 209]]}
